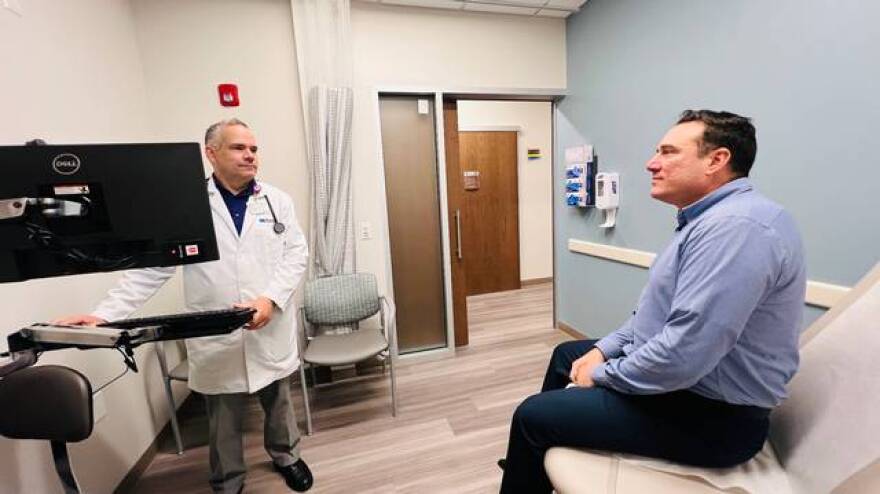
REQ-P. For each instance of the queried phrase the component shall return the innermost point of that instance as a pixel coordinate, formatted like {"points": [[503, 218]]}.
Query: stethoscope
{"points": [[277, 226]]}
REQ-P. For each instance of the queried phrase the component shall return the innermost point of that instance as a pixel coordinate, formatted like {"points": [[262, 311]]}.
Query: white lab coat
{"points": [[260, 262]]}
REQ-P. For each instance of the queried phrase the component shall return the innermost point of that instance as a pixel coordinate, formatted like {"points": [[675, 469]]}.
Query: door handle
{"points": [[458, 232]]}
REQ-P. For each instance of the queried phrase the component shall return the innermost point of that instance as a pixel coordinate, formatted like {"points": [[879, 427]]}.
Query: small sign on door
{"points": [[472, 180]]}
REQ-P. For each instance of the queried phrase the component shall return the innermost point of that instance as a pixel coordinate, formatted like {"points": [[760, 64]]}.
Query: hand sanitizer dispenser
{"points": [[608, 196]]}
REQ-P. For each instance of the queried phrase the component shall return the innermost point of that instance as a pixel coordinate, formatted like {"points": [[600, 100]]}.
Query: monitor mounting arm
{"points": [[49, 207]]}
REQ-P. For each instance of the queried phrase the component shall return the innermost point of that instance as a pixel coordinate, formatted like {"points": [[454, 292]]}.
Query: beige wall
{"points": [[535, 189], [71, 73], [120, 71], [443, 48], [189, 47], [435, 50], [146, 70]]}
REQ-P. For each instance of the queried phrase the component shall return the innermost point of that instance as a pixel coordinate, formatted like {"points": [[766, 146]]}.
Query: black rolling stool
{"points": [[49, 402]]}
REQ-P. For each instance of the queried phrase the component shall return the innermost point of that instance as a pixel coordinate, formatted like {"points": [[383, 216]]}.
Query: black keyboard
{"points": [[190, 324]]}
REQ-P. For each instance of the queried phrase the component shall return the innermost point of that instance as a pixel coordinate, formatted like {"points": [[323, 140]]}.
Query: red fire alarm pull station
{"points": [[228, 94]]}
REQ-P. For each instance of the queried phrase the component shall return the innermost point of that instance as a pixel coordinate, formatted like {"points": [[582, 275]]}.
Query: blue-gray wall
{"points": [[806, 71]]}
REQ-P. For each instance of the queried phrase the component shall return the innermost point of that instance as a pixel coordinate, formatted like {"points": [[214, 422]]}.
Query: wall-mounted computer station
{"points": [[75, 209]]}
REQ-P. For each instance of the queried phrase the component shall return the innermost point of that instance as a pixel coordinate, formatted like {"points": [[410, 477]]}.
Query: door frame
{"points": [[439, 94]]}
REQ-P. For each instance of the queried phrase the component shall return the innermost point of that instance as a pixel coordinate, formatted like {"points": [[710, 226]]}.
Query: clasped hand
{"points": [[582, 369]]}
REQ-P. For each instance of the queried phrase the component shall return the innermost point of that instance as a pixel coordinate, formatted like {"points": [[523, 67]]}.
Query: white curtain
{"points": [[322, 30]]}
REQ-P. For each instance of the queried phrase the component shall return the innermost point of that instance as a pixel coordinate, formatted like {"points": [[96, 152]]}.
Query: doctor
{"points": [[262, 259]]}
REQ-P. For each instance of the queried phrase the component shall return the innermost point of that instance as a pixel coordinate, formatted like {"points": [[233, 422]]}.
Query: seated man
{"points": [[692, 376]]}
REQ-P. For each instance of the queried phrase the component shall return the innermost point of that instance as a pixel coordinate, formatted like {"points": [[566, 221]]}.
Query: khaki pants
{"points": [[225, 434]]}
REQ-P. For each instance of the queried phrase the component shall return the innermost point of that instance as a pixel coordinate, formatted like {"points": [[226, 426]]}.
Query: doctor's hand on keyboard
{"points": [[79, 320], [264, 307]]}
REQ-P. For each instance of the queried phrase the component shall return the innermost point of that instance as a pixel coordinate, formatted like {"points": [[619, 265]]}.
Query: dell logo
{"points": [[66, 164]]}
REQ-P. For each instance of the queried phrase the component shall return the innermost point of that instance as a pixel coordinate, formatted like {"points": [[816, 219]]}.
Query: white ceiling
{"points": [[542, 8]]}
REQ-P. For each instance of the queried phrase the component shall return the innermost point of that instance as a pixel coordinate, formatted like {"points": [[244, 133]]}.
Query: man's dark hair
{"points": [[726, 130]]}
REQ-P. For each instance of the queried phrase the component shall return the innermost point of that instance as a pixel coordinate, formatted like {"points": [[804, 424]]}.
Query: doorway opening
{"points": [[473, 212], [499, 176]]}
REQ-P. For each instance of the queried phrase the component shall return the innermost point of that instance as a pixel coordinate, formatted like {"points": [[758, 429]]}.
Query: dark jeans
{"points": [[680, 426]]}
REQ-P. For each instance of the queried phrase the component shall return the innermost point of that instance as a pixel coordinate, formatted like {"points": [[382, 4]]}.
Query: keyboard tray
{"points": [[191, 324]]}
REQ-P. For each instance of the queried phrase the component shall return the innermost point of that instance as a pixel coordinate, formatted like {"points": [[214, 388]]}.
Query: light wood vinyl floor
{"points": [[451, 426]]}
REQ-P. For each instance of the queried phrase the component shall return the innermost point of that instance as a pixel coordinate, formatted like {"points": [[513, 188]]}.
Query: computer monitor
{"points": [[69, 209]]}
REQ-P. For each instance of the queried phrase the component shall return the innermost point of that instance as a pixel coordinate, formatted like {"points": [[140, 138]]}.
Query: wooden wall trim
{"points": [[570, 331], [536, 281], [819, 294], [490, 128]]}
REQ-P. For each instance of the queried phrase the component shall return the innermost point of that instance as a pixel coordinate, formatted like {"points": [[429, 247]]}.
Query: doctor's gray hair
{"points": [[212, 135]]}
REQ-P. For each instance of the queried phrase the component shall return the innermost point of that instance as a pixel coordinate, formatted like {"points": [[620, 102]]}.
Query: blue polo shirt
{"points": [[236, 203]]}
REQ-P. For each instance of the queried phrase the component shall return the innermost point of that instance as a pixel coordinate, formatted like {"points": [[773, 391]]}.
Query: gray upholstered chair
{"points": [[345, 300]]}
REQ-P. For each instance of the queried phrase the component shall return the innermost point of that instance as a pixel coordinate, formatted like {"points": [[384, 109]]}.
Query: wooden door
{"points": [[454, 197], [490, 213]]}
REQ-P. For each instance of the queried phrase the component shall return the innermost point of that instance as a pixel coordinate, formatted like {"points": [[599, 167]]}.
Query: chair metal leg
{"points": [[172, 408], [302, 379], [62, 467], [393, 385]]}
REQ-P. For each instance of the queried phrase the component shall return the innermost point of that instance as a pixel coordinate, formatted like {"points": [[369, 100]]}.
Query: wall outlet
{"points": [[365, 230], [99, 406], [13, 6]]}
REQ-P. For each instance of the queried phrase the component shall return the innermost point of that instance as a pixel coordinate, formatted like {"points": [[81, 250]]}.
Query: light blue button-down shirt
{"points": [[722, 311]]}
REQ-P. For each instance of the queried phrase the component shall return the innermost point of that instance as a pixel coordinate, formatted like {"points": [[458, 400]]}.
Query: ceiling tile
{"points": [[566, 4], [553, 13], [436, 4], [499, 9], [516, 3]]}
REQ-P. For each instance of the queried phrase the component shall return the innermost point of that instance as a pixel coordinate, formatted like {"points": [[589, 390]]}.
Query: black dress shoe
{"points": [[297, 476], [502, 463]]}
